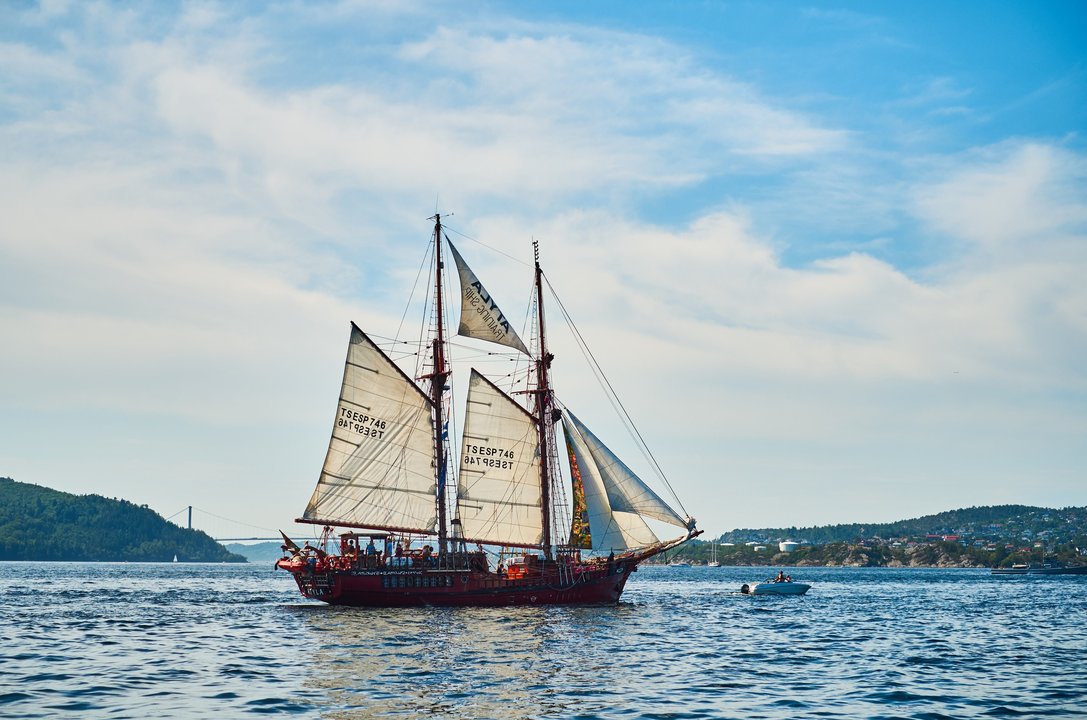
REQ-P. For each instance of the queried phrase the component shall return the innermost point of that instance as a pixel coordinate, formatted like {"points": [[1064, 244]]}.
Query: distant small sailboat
{"points": [[175, 558], [713, 556]]}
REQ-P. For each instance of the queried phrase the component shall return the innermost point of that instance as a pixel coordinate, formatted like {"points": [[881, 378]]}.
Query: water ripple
{"points": [[115, 640]]}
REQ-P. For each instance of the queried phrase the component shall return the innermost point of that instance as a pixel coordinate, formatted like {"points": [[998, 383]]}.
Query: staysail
{"points": [[498, 488], [379, 470], [479, 315], [616, 499]]}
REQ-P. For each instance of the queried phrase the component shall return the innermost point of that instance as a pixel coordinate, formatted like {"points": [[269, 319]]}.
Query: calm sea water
{"points": [[187, 641]]}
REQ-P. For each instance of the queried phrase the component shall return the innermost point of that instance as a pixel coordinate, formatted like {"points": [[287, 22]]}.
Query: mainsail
{"points": [[616, 499], [480, 316], [379, 470], [498, 491]]}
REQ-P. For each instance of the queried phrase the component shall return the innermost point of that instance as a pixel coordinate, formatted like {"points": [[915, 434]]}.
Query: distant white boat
{"points": [[175, 558], [713, 556], [775, 588], [679, 563], [1036, 569]]}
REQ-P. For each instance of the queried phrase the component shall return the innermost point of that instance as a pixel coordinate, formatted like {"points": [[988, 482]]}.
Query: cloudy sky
{"points": [[833, 257]]}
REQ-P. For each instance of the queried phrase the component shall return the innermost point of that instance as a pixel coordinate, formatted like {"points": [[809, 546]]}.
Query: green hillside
{"points": [[994, 536], [38, 523], [997, 523]]}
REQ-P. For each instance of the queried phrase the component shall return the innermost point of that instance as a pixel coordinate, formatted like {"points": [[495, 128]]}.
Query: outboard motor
{"points": [[745, 589]]}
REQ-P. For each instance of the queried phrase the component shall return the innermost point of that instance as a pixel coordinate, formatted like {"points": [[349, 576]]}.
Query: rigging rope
{"points": [[483, 244], [614, 397], [426, 257], [424, 332]]}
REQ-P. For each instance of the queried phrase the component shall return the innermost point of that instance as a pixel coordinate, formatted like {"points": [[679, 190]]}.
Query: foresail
{"points": [[609, 531], [479, 314], [498, 489], [615, 498], [379, 470]]}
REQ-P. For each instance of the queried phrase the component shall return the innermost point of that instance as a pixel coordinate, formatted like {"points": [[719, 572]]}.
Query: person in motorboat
{"points": [[780, 577]]}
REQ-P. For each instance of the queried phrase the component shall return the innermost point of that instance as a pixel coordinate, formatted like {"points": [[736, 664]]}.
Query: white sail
{"points": [[479, 314], [379, 470], [616, 498], [498, 487]]}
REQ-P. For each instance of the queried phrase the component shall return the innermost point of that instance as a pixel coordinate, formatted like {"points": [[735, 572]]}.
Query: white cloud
{"points": [[186, 235], [971, 370], [1014, 201], [513, 115]]}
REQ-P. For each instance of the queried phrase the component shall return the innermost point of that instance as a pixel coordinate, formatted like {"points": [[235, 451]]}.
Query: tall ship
{"points": [[405, 521]]}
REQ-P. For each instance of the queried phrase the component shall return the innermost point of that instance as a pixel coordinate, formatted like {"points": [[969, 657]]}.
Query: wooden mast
{"points": [[437, 389], [544, 409]]}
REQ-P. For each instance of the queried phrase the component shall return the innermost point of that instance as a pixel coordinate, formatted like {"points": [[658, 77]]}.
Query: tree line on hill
{"points": [[937, 553], [995, 536], [997, 522], [39, 523]]}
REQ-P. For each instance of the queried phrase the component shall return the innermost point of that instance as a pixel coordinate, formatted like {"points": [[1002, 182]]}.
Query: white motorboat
{"points": [[770, 587]]}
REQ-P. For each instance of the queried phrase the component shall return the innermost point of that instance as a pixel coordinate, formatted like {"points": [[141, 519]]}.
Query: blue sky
{"points": [[831, 255]]}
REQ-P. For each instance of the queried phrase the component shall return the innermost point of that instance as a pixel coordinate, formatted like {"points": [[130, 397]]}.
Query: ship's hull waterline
{"points": [[460, 588]]}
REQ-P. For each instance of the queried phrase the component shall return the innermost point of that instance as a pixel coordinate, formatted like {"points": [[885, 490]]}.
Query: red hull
{"points": [[550, 585]]}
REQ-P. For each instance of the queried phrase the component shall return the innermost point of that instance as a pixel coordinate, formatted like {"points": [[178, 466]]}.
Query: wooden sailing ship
{"points": [[502, 533]]}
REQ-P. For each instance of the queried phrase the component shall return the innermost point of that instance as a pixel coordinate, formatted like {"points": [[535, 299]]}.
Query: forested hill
{"points": [[998, 522], [38, 523]]}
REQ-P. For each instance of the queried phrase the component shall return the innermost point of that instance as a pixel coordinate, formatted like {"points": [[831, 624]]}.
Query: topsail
{"points": [[479, 315]]}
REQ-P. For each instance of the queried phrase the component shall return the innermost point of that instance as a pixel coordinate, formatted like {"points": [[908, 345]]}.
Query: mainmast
{"points": [[437, 390], [545, 404]]}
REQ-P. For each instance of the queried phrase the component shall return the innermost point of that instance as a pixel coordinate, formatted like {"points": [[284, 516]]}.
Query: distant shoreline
{"points": [[837, 567], [129, 562]]}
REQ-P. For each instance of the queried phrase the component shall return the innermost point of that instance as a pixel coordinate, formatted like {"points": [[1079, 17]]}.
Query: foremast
{"points": [[437, 390]]}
